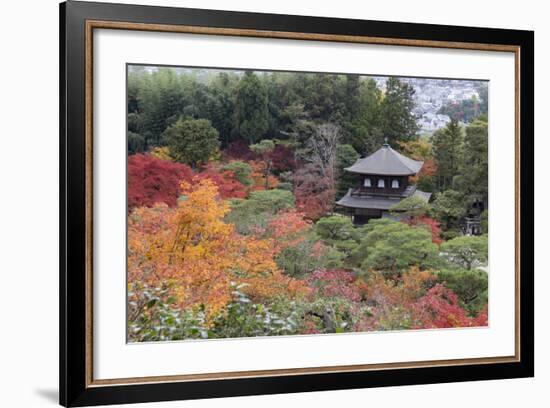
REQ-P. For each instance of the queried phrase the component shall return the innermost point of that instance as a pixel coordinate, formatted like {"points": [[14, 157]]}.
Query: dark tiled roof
{"points": [[386, 161], [376, 202]]}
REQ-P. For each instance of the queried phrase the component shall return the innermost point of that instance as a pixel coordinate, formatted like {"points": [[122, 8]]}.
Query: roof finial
{"points": [[386, 142]]}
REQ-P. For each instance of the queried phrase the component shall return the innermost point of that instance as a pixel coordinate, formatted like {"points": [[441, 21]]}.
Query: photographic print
{"points": [[285, 195], [268, 203]]}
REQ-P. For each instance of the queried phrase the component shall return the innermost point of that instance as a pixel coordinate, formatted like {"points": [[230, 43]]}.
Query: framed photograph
{"points": [[256, 204]]}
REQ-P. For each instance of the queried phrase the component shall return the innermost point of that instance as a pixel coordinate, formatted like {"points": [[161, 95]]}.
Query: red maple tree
{"points": [[283, 159], [314, 192], [228, 185], [152, 180], [239, 150]]}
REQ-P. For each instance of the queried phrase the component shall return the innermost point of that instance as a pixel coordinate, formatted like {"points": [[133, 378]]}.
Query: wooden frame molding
{"points": [[115, 25], [78, 22]]}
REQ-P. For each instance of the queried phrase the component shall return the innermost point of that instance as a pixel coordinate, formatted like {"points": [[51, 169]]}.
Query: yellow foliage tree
{"points": [[191, 249], [162, 153]]}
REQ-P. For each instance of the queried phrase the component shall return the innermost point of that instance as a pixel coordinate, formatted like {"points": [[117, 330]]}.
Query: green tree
{"points": [[396, 112], [300, 259], [338, 231], [475, 169], [136, 143], [255, 212], [411, 207], [366, 134], [241, 170], [393, 247], [324, 96], [251, 113], [448, 208], [448, 148], [192, 141], [465, 110], [485, 222], [483, 91], [335, 228], [220, 104], [346, 155], [160, 98], [471, 286], [466, 251], [264, 149]]}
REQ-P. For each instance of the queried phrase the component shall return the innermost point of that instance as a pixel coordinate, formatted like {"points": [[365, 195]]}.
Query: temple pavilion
{"points": [[382, 182]]}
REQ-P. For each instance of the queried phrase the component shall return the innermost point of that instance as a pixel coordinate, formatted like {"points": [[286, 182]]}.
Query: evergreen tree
{"points": [[321, 101], [396, 112], [221, 105], [251, 114], [447, 147], [449, 208], [346, 155], [476, 154], [164, 100], [363, 129]]}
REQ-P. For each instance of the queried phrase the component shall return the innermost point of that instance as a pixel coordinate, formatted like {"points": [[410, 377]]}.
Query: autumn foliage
{"points": [[211, 247], [258, 176], [199, 258], [431, 224], [228, 185], [283, 158], [239, 150], [193, 250], [415, 301], [288, 229], [315, 193], [234, 230], [152, 180]]}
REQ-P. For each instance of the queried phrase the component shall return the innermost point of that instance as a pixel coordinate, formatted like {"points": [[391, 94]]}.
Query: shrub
{"points": [[471, 287], [253, 214], [241, 170], [466, 251], [307, 256], [392, 247], [450, 234]]}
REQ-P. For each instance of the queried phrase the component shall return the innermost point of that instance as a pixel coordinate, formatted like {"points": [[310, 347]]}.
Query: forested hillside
{"points": [[232, 224]]}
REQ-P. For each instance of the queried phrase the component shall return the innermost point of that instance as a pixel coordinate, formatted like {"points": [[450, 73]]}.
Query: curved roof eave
{"points": [[386, 161]]}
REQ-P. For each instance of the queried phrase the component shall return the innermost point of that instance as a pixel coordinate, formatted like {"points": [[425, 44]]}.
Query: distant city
{"points": [[432, 94]]}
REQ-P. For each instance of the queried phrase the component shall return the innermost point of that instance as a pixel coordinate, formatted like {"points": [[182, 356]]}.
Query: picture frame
{"points": [[79, 21]]}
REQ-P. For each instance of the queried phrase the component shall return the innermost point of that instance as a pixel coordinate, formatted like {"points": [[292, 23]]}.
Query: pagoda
{"points": [[382, 182]]}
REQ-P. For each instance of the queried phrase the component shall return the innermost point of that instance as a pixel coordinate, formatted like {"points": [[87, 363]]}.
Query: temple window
{"points": [[367, 182], [381, 183], [395, 184]]}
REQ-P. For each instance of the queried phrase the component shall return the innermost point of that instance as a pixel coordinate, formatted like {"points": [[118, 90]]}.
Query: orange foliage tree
{"points": [[288, 229], [193, 251], [225, 180], [420, 150], [415, 301], [259, 177]]}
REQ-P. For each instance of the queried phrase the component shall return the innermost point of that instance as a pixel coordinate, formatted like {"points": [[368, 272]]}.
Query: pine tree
{"points": [[476, 166], [364, 132], [396, 112], [251, 113], [448, 146]]}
